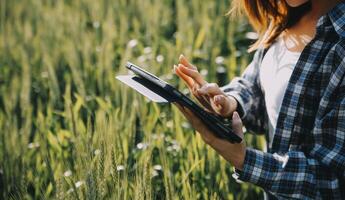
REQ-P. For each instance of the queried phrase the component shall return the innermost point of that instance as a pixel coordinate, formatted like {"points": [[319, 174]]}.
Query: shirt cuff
{"points": [[252, 167]]}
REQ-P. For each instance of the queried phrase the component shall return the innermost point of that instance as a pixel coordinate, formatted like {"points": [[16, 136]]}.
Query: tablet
{"points": [[160, 91]]}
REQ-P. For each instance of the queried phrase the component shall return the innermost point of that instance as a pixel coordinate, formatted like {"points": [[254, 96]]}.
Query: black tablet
{"points": [[160, 91]]}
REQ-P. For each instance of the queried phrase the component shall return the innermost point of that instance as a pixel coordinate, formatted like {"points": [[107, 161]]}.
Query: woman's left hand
{"points": [[232, 152]]}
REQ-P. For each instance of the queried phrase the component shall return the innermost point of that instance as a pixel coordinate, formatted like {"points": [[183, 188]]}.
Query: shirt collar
{"points": [[337, 18]]}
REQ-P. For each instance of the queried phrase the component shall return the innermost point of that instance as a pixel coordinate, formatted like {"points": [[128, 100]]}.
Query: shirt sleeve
{"points": [[247, 91], [317, 172]]}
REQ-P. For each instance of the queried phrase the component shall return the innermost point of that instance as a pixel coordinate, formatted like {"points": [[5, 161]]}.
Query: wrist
{"points": [[233, 104], [239, 162], [233, 153], [238, 107]]}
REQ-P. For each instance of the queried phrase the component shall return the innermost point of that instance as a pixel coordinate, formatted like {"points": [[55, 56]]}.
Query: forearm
{"points": [[292, 175], [234, 155], [249, 104]]}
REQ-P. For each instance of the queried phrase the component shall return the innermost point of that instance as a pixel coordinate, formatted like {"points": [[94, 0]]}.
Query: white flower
{"points": [[176, 147], [142, 58], [79, 183], [169, 148], [157, 167], [186, 125], [170, 124], [160, 58], [147, 50], [221, 70], [204, 72], [96, 24], [120, 168], [70, 191], [97, 151], [33, 145], [220, 60], [252, 36], [132, 43], [142, 145], [67, 173]]}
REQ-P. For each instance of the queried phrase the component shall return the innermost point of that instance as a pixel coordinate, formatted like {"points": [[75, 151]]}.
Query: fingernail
{"points": [[181, 56], [199, 91], [235, 116], [217, 99], [182, 66]]}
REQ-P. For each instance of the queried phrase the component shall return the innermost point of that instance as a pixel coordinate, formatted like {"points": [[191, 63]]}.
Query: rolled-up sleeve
{"points": [[316, 173], [247, 91]]}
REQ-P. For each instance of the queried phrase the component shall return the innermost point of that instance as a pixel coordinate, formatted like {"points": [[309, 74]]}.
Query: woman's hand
{"points": [[234, 153], [208, 94]]}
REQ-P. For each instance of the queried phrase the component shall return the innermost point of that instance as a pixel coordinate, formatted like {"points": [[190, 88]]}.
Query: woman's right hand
{"points": [[208, 94]]}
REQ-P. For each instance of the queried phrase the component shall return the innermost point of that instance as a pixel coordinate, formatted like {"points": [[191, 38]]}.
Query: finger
{"points": [[219, 100], [194, 90], [200, 127], [222, 102], [183, 60], [205, 103], [193, 73], [188, 80], [183, 110], [186, 112], [202, 99], [210, 89], [237, 124], [190, 115]]}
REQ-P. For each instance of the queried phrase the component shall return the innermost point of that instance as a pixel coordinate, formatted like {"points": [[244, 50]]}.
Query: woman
{"points": [[294, 89]]}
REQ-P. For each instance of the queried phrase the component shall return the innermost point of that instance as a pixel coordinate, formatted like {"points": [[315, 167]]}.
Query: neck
{"points": [[321, 7], [299, 35]]}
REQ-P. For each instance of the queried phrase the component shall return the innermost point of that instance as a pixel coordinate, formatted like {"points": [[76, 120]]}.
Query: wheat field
{"points": [[70, 130]]}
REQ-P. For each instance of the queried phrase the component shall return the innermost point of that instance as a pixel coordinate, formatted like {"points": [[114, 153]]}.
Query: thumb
{"points": [[223, 105], [237, 125]]}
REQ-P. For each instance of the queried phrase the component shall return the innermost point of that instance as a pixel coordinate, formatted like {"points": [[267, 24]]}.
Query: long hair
{"points": [[269, 18]]}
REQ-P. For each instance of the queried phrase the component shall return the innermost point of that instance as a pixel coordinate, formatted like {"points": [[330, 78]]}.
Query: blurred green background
{"points": [[70, 130]]}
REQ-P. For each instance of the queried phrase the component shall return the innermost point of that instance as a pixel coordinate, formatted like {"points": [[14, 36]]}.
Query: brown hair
{"points": [[269, 18]]}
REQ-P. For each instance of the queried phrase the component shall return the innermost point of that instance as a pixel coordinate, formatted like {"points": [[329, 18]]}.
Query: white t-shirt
{"points": [[275, 72]]}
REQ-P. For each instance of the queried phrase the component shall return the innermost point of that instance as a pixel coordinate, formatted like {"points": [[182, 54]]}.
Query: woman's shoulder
{"points": [[337, 18], [339, 52]]}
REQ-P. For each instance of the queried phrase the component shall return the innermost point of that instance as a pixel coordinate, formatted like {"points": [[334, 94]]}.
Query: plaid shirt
{"points": [[307, 158]]}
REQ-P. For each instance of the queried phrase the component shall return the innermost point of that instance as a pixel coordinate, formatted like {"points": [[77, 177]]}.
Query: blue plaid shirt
{"points": [[307, 158]]}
